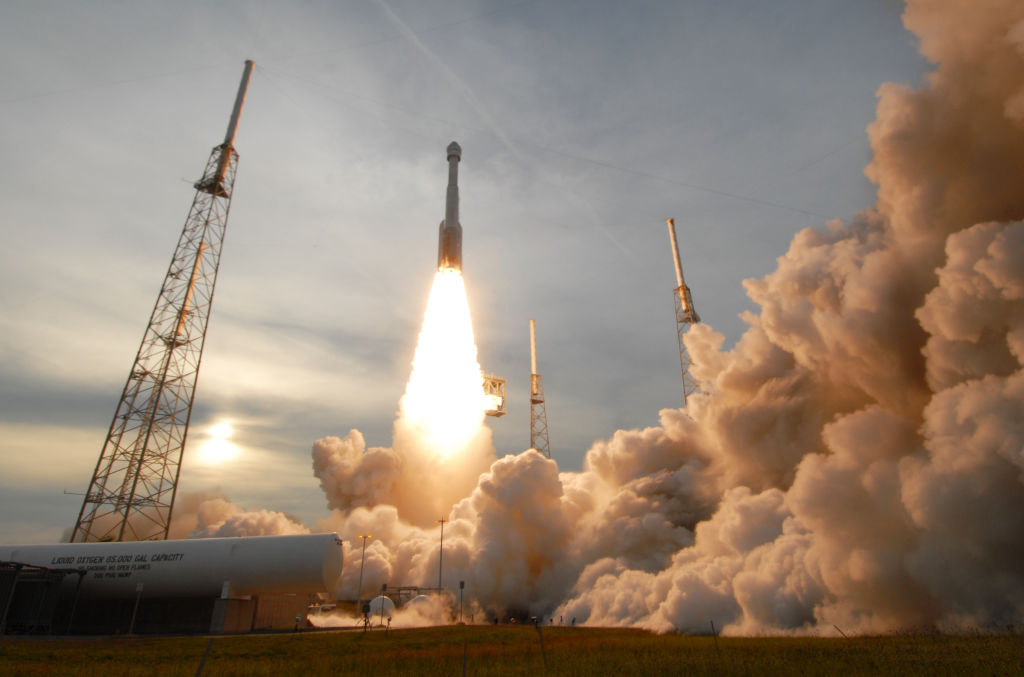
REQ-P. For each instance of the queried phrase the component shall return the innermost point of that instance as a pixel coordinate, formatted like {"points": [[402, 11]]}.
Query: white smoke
{"points": [[420, 612], [867, 433], [857, 459], [410, 476], [211, 515]]}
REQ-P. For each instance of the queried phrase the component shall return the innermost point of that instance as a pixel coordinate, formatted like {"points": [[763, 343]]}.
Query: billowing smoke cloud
{"points": [[212, 514], [508, 540], [418, 612], [867, 433], [856, 459], [409, 476]]}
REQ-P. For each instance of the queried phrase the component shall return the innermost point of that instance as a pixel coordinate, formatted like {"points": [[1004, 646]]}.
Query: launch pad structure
{"points": [[494, 394], [686, 315], [132, 490]]}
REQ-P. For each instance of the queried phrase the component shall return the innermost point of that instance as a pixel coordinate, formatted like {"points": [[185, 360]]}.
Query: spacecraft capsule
{"points": [[449, 242]]}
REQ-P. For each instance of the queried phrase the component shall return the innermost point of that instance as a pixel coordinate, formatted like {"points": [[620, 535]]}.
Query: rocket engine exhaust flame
{"points": [[444, 399]]}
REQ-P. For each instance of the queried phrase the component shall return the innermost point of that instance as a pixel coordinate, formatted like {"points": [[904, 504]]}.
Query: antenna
{"points": [[131, 493], [538, 408], [686, 314]]}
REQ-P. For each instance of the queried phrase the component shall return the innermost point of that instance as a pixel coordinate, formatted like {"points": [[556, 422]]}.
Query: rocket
{"points": [[449, 240]]}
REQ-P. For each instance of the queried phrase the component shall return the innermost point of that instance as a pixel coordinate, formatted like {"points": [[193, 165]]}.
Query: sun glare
{"points": [[216, 449], [445, 398], [221, 431]]}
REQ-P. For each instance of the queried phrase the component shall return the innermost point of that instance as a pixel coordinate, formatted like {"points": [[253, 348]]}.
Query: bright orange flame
{"points": [[444, 399]]}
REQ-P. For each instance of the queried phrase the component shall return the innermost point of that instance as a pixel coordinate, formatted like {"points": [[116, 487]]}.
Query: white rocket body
{"points": [[449, 242]]}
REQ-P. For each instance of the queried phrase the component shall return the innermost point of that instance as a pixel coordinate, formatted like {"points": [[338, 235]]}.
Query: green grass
{"points": [[511, 651]]}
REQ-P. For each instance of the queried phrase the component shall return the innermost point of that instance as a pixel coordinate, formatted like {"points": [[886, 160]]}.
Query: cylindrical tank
{"points": [[421, 603], [380, 602], [194, 567]]}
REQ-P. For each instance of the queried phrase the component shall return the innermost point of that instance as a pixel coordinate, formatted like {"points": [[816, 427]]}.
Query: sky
{"points": [[583, 124]]}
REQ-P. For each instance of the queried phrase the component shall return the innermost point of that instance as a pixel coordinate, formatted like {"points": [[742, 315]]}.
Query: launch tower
{"points": [[686, 315], [538, 408], [131, 494]]}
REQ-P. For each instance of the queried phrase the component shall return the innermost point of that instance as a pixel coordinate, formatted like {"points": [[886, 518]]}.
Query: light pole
{"points": [[359, 592], [462, 585], [440, 556]]}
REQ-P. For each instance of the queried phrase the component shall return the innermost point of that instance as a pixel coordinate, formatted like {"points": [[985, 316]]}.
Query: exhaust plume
{"points": [[440, 445], [213, 515], [444, 399]]}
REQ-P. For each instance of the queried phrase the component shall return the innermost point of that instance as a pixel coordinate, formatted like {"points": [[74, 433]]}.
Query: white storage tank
{"points": [[206, 567], [381, 606]]}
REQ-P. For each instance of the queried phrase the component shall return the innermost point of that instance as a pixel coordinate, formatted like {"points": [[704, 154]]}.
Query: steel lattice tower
{"points": [[538, 408], [131, 495], [686, 315]]}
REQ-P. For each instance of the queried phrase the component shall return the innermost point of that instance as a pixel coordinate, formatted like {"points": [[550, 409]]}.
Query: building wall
{"points": [[278, 612]]}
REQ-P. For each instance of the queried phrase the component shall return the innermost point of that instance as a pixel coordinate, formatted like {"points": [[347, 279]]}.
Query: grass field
{"points": [[507, 650]]}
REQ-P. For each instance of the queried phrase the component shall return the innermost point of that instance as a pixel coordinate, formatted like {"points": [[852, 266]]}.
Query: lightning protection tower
{"points": [[538, 408], [686, 315], [131, 494]]}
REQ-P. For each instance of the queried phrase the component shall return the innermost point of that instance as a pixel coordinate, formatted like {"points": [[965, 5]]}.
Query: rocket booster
{"points": [[449, 242]]}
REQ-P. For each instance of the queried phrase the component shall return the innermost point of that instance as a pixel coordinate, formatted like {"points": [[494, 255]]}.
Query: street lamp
{"points": [[440, 556], [359, 593]]}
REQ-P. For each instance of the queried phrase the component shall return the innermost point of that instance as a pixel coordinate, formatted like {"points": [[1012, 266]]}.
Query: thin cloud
{"points": [[457, 82]]}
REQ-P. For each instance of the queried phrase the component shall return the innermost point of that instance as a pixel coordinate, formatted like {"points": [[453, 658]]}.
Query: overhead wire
{"points": [[397, 35], [294, 55], [606, 230], [574, 156], [117, 83]]}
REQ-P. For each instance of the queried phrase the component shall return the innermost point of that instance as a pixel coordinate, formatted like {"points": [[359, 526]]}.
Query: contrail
{"points": [[453, 78]]}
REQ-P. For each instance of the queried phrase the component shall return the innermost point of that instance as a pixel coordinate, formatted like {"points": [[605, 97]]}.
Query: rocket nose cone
{"points": [[454, 150]]}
